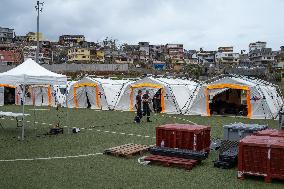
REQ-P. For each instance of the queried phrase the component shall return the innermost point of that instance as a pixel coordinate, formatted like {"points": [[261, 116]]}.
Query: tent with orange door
{"points": [[7, 94], [175, 96], [112, 89], [238, 95], [87, 93], [37, 80], [37, 95]]}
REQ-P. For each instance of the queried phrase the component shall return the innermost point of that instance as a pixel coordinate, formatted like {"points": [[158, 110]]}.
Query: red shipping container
{"points": [[184, 136], [261, 156]]}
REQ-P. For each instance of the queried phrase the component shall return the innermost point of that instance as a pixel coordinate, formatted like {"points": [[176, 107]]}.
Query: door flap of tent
{"points": [[49, 95]]}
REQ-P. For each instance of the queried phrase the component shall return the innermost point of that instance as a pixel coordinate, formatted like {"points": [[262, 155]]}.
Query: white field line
{"points": [[113, 132], [169, 116], [50, 158]]}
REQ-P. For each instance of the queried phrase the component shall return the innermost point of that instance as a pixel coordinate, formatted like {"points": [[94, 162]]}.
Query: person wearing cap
{"points": [[146, 107]]}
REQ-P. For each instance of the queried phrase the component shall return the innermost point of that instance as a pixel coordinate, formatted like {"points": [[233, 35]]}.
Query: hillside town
{"points": [[124, 94], [72, 49]]}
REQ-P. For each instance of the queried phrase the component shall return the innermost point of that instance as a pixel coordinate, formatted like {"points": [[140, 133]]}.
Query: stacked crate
{"points": [[184, 136], [281, 119], [271, 132], [261, 156], [237, 131], [233, 133]]}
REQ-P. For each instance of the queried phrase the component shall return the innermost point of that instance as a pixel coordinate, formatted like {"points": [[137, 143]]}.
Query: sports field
{"points": [[86, 167]]}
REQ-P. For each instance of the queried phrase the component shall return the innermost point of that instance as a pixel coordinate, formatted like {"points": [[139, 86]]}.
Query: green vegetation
{"points": [[103, 171]]}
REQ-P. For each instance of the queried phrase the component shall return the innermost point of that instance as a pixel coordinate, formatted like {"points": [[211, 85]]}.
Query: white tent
{"points": [[176, 94], [30, 73], [2, 96], [87, 92], [112, 89], [39, 95], [10, 96], [39, 83], [260, 99]]}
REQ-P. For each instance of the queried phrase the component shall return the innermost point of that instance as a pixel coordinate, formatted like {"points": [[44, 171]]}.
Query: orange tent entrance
{"points": [[76, 86], [11, 89], [48, 93], [230, 86], [147, 85]]}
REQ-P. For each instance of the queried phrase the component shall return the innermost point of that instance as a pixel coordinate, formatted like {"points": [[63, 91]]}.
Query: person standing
{"points": [[146, 107], [138, 106], [156, 102]]}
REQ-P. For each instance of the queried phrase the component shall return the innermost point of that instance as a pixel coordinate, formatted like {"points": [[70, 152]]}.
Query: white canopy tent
{"points": [[31, 73]]}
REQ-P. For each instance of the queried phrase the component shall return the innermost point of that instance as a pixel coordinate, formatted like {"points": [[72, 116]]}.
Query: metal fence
{"points": [[70, 68]]}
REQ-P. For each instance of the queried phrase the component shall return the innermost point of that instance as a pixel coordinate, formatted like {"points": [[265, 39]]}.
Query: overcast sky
{"points": [[195, 23]]}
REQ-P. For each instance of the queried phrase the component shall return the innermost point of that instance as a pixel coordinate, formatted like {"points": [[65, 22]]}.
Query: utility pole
{"points": [[38, 8]]}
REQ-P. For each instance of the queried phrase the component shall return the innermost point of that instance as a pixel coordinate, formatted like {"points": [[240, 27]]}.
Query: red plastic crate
{"points": [[271, 132], [184, 136], [261, 156]]}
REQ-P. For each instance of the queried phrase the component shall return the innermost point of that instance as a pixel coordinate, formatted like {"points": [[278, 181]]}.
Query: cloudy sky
{"points": [[195, 23]]}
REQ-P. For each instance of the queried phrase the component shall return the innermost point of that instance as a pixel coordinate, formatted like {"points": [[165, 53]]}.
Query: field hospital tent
{"points": [[254, 98], [87, 93], [39, 95], [30, 73], [37, 80], [176, 95], [7, 94], [112, 89]]}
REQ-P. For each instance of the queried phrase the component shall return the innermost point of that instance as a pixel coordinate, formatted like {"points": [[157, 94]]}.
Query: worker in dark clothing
{"points": [[156, 102], [138, 106], [146, 107]]}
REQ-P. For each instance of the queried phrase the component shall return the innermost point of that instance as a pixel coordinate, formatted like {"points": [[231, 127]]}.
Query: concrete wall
{"points": [[62, 68]]}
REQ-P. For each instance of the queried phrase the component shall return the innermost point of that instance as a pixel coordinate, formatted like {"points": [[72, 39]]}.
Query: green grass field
{"points": [[101, 171]]}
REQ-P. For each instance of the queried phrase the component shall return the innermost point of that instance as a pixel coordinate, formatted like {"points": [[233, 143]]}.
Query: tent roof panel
{"points": [[30, 72]]}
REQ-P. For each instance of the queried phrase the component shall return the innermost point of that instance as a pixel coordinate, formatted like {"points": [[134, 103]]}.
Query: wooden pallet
{"points": [[127, 150], [172, 161]]}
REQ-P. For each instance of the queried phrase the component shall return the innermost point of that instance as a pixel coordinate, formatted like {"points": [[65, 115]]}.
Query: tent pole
{"points": [[67, 111], [23, 119]]}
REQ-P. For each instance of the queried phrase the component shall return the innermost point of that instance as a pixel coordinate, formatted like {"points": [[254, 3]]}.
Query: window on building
{"points": [[83, 56]]}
